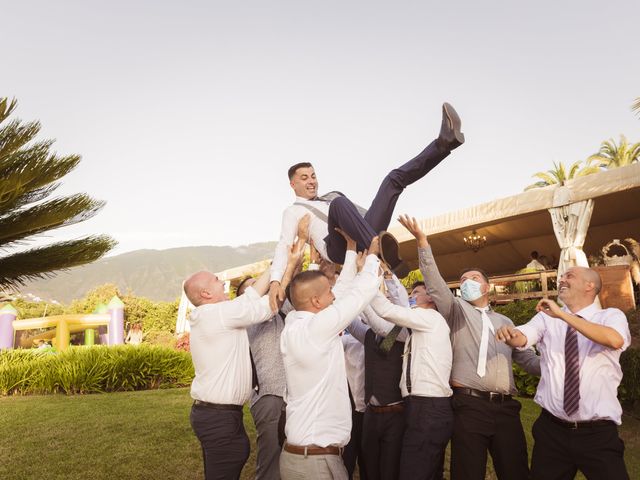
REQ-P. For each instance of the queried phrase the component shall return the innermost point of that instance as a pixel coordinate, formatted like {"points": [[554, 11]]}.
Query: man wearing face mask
{"points": [[486, 417]]}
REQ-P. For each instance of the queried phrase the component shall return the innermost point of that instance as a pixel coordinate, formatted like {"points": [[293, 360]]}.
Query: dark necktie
{"points": [[571, 372], [390, 339], [407, 373]]}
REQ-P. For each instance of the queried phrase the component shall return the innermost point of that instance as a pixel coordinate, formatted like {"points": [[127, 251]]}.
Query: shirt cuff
{"points": [[371, 264], [313, 266], [527, 334]]}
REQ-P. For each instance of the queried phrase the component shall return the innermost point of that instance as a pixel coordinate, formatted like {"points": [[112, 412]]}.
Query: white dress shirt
{"points": [[318, 407], [318, 230], [600, 372], [354, 363], [431, 356], [220, 347]]}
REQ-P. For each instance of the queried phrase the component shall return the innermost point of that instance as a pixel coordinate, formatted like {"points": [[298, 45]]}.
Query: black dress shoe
{"points": [[390, 253], [450, 135]]}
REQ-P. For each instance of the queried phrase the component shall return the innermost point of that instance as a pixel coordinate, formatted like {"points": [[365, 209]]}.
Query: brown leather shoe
{"points": [[390, 253], [450, 135]]}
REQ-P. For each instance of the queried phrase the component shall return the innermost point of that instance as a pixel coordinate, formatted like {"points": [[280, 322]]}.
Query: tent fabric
{"points": [[570, 225]]}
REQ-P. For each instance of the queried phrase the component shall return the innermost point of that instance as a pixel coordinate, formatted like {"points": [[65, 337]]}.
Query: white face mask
{"points": [[471, 290]]}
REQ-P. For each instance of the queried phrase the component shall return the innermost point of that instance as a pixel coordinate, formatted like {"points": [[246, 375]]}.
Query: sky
{"points": [[188, 114]]}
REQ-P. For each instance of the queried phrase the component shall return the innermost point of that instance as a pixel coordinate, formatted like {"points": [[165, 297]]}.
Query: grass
{"points": [[139, 435]]}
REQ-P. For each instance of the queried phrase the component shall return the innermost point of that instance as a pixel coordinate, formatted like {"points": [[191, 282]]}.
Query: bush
{"points": [[95, 369], [629, 390], [520, 312]]}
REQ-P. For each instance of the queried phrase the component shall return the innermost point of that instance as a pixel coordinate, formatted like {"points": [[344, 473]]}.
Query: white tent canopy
{"points": [[598, 208]]}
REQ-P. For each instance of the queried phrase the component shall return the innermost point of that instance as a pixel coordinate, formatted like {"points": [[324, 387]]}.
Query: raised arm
{"points": [[436, 286], [415, 318], [245, 310], [336, 317], [380, 326], [397, 293]]}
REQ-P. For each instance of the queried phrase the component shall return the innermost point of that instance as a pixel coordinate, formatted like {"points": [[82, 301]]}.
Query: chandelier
{"points": [[474, 241]]}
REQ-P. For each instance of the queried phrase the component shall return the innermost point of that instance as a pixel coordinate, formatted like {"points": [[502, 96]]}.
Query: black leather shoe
{"points": [[390, 253], [450, 135]]}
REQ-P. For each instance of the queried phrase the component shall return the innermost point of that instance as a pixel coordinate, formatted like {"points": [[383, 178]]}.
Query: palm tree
{"points": [[30, 173], [611, 155], [635, 106], [559, 175]]}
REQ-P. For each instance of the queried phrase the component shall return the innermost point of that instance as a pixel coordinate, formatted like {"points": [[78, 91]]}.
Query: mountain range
{"points": [[154, 274]]}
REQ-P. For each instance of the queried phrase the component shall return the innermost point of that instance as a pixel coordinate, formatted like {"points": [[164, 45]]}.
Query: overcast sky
{"points": [[188, 114]]}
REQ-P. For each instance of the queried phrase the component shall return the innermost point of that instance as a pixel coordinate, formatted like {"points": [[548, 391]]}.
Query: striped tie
{"points": [[571, 372]]}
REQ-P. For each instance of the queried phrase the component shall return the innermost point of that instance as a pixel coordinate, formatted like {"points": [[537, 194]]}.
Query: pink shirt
{"points": [[600, 372]]}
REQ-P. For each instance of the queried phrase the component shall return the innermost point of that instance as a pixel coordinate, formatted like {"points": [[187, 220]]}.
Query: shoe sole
{"points": [[456, 123], [389, 251]]}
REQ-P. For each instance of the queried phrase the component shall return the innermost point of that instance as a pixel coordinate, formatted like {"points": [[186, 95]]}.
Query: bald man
{"points": [[220, 354], [580, 346], [318, 409]]}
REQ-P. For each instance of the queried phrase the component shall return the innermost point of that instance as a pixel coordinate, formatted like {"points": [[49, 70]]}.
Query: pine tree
{"points": [[30, 172]]}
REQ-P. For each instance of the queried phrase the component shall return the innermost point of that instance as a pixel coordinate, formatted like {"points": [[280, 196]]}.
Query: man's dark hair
{"points": [[475, 269], [418, 283], [241, 284], [534, 255], [300, 279], [294, 168]]}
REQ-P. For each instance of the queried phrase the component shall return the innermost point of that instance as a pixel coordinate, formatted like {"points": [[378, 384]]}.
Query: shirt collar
{"points": [[295, 315], [587, 312]]}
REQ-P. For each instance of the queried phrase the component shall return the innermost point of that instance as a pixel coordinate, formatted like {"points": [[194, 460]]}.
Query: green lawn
{"points": [[136, 435]]}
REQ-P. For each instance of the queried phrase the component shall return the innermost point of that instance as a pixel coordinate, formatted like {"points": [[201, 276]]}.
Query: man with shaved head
{"points": [[220, 354], [318, 408], [580, 346]]}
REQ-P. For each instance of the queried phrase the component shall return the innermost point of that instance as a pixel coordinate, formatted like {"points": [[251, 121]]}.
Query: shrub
{"points": [[519, 312], [93, 370], [629, 390]]}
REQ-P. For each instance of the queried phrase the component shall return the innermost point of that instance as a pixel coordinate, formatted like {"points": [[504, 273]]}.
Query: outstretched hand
{"points": [[374, 248], [411, 224], [360, 259], [549, 307], [303, 227], [511, 336], [351, 243], [276, 296]]}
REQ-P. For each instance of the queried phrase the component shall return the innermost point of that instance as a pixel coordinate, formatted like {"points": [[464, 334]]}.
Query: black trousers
{"points": [[225, 445], [382, 444], [428, 428], [559, 452], [481, 426], [343, 214], [353, 453]]}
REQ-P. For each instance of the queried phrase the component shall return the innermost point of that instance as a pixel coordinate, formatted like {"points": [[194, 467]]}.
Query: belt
{"points": [[576, 425], [396, 407], [491, 396], [312, 450], [217, 406]]}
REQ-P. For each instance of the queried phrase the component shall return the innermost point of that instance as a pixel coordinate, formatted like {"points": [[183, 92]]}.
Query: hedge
{"points": [[96, 369]]}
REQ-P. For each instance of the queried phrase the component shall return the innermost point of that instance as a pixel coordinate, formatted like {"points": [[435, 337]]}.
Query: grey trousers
{"points": [[266, 413], [312, 467]]}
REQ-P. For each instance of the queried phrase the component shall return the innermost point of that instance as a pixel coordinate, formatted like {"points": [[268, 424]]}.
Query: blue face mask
{"points": [[471, 290]]}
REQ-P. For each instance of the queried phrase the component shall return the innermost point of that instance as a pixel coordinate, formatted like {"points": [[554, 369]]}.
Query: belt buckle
{"points": [[496, 395], [573, 425]]}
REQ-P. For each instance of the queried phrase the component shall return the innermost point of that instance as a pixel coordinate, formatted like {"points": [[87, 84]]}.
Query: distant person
{"points": [[580, 345], [134, 335], [535, 263], [335, 210]]}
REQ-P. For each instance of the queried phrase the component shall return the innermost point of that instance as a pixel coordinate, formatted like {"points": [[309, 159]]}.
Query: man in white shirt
{"points": [[318, 409], [335, 210], [424, 384], [580, 346], [220, 354]]}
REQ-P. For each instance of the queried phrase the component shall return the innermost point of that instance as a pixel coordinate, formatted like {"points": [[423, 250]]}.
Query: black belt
{"points": [[576, 425], [217, 406], [491, 396]]}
